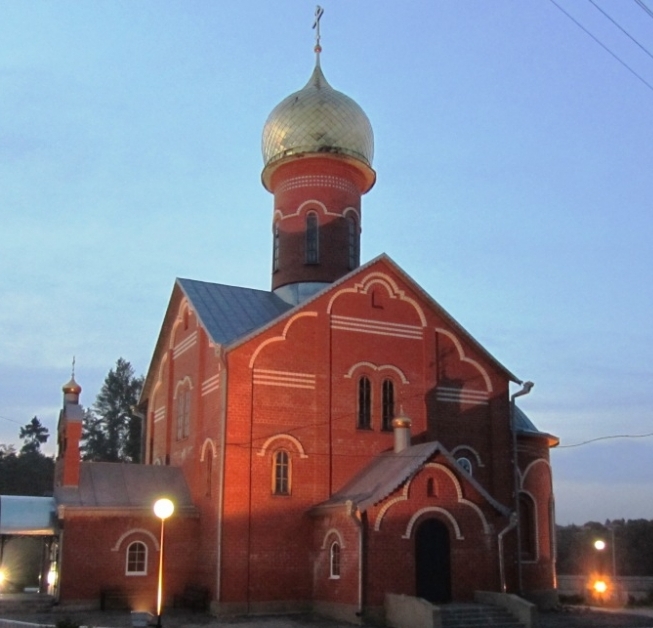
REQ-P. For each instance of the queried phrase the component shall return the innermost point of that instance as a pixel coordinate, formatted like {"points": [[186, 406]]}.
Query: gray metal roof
{"points": [[21, 515], [231, 312], [526, 427], [389, 471], [121, 485], [383, 475]]}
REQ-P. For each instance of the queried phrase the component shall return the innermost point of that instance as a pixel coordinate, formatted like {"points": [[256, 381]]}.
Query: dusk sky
{"points": [[514, 157]]}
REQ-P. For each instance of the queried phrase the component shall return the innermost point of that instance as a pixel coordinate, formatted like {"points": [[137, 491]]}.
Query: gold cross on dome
{"points": [[319, 11]]}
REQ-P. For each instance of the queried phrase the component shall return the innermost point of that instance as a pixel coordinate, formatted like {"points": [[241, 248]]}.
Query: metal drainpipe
{"points": [[526, 388], [352, 511], [502, 559]]}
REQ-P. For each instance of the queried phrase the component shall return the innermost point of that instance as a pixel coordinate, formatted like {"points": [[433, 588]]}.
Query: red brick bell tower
{"points": [[69, 434], [317, 150]]}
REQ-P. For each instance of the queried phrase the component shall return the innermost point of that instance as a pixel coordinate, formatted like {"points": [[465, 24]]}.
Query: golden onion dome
{"points": [[318, 119], [72, 387]]}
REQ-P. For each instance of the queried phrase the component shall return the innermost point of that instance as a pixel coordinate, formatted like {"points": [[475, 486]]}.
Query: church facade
{"points": [[326, 442]]}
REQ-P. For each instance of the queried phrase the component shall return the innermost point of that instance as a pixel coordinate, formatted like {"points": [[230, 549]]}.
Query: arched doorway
{"points": [[433, 562]]}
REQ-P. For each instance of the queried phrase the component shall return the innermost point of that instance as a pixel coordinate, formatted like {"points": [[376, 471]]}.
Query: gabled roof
{"points": [[414, 285], [230, 312], [389, 471], [115, 485], [231, 315]]}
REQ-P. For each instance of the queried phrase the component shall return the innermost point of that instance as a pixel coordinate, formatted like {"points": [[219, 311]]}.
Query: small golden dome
{"points": [[401, 421], [318, 119], [72, 387]]}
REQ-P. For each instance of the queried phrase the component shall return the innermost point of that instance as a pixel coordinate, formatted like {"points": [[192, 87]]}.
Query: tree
{"points": [[28, 472], [112, 428], [33, 435]]}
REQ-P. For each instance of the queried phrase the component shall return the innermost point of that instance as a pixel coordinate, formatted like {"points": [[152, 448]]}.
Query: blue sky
{"points": [[514, 159]]}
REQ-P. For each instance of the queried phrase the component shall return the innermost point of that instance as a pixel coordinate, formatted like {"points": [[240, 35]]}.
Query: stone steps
{"points": [[477, 616], [25, 603]]}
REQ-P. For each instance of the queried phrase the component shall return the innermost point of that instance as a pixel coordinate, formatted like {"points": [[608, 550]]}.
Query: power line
{"points": [[623, 30], [12, 420], [644, 7], [594, 440], [598, 41]]}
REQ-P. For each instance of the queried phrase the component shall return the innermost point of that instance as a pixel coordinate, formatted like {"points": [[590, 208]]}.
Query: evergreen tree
{"points": [[33, 435], [112, 429], [28, 472]]}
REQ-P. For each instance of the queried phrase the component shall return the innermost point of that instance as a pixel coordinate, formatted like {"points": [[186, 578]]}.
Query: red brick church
{"points": [[326, 442]]}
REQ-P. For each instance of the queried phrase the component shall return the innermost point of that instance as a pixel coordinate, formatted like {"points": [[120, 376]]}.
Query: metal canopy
{"points": [[21, 515]]}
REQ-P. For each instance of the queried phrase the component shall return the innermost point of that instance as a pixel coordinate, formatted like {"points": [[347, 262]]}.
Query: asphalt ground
{"points": [[566, 617]]}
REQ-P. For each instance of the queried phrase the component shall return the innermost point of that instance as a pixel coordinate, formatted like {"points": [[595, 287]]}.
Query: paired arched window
{"points": [[275, 248], [353, 241], [183, 411], [281, 473], [136, 559], [388, 404], [312, 239], [334, 560], [364, 403]]}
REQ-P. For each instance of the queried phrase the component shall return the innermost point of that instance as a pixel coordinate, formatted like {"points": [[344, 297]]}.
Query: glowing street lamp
{"points": [[600, 545], [163, 508]]}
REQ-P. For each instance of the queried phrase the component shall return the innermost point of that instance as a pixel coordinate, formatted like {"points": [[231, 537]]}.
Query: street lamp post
{"points": [[600, 545], [163, 508]]}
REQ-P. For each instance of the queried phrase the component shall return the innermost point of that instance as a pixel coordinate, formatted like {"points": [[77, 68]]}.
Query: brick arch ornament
{"points": [[184, 309], [281, 337], [208, 444], [471, 450], [459, 496], [436, 509], [464, 358], [147, 533], [385, 281], [331, 532], [181, 383], [523, 475], [295, 441], [374, 367], [352, 210]]}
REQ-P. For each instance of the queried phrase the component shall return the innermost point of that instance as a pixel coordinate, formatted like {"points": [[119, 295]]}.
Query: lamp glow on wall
{"points": [[163, 508]]}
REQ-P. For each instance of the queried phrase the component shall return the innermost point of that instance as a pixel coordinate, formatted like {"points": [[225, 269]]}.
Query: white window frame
{"points": [[335, 558], [129, 572]]}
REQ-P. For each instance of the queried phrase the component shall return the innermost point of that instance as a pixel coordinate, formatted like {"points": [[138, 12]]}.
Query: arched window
{"points": [[388, 404], [431, 488], [364, 403], [312, 239], [334, 560], [183, 412], [281, 473], [275, 248], [527, 529], [136, 559], [466, 464], [354, 251]]}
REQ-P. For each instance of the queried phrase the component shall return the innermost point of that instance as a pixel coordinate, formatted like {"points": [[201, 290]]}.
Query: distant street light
{"points": [[163, 508], [600, 545]]}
